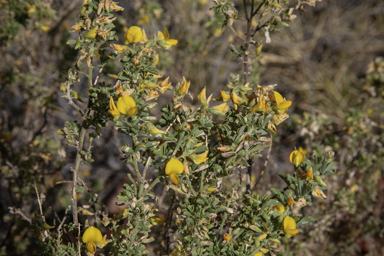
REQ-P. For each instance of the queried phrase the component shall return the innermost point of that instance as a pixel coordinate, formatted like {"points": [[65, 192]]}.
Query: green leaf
{"points": [[305, 220]]}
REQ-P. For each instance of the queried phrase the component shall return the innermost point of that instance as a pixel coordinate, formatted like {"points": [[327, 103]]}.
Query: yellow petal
{"points": [[91, 247], [203, 97], [296, 158], [278, 98], [309, 174], [290, 227], [201, 158], [174, 166], [227, 237], [153, 129], [174, 178], [113, 109], [290, 201], [93, 235], [236, 99], [278, 208], [223, 108], [156, 220], [92, 33], [318, 193], [127, 105], [225, 96], [133, 35]]}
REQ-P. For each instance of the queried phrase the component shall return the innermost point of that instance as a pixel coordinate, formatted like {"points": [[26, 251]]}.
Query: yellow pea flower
{"points": [[92, 33], [227, 237], [201, 158], [203, 97], [222, 108], [290, 201], [127, 106], [116, 7], [278, 208], [156, 220], [309, 174], [164, 85], [302, 150], [318, 193], [260, 106], [183, 88], [119, 48], [290, 227], [236, 99], [296, 158], [91, 237], [225, 96], [282, 105], [262, 251], [113, 109], [153, 130], [168, 42], [133, 35], [173, 168]]}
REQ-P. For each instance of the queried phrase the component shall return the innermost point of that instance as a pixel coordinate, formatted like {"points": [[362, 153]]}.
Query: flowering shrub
{"points": [[202, 155]]}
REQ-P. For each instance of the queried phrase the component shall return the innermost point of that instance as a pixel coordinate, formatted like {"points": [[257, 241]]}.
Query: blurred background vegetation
{"points": [[329, 62]]}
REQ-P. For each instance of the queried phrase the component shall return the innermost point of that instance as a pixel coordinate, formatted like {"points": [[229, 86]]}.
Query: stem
{"points": [[75, 176], [190, 186], [246, 52], [265, 163]]}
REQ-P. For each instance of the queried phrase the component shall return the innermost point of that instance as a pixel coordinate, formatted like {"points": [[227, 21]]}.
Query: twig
{"points": [[265, 163], [14, 210], [38, 198], [169, 221], [258, 8], [262, 26]]}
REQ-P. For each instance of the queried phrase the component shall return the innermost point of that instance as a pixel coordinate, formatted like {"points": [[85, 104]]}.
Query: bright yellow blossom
{"points": [[227, 237], [221, 109], [201, 158], [156, 220], [236, 99], [133, 35], [260, 106], [225, 96], [278, 208], [168, 42], [91, 237], [119, 48], [282, 105], [127, 106], [290, 227], [309, 174], [296, 158], [183, 88], [290, 201], [91, 33], [173, 168], [203, 97], [164, 85], [113, 109]]}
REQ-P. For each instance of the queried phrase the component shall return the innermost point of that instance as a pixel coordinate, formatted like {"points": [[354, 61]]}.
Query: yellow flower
{"points": [[203, 97], [113, 109], [282, 105], [133, 35], [290, 201], [296, 158], [260, 106], [127, 106], [227, 237], [164, 85], [318, 193], [236, 99], [309, 174], [91, 237], [262, 251], [221, 109], [156, 220], [173, 168], [290, 227], [92, 33], [183, 88], [278, 208], [201, 158], [119, 48], [153, 130], [224, 96], [168, 42], [116, 7]]}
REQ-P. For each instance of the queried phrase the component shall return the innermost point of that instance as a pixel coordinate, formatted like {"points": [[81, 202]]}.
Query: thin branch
{"points": [[246, 9], [265, 163], [261, 27], [98, 76], [168, 225], [14, 210], [38, 198], [258, 8]]}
